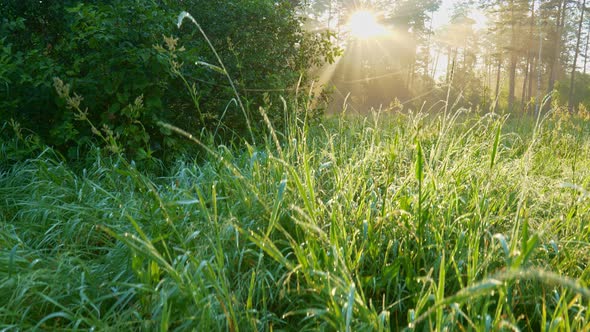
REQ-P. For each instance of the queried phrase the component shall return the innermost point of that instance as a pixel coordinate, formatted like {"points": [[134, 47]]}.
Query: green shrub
{"points": [[105, 51]]}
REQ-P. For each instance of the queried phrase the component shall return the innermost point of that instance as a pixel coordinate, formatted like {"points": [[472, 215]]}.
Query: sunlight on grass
{"points": [[351, 225], [192, 212]]}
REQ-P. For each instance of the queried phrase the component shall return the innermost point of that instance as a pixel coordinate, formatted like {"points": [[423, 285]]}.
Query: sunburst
{"points": [[363, 24]]}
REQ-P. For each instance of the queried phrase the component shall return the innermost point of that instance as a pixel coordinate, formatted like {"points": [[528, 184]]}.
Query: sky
{"points": [[443, 15]]}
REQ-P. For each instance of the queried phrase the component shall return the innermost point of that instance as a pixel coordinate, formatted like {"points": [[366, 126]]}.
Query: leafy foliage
{"points": [[105, 51]]}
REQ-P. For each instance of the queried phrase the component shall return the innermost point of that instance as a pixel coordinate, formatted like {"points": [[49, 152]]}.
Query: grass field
{"points": [[457, 221]]}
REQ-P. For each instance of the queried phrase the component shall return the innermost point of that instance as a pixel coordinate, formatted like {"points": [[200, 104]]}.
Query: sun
{"points": [[363, 24]]}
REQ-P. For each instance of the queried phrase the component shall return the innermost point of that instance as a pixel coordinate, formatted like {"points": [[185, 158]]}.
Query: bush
{"points": [[105, 51]]}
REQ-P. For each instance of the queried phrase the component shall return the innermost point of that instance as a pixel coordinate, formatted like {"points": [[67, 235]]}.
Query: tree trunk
{"points": [[435, 65], [531, 76], [427, 51], [539, 63], [449, 59], [487, 81], [530, 61], [576, 53], [557, 40], [586, 49], [523, 95], [512, 81], [499, 71], [513, 59]]}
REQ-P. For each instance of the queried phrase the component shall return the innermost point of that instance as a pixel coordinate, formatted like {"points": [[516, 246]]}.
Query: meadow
{"points": [[457, 220]]}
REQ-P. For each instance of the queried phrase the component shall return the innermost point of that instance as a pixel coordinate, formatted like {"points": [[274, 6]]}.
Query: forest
{"points": [[295, 165], [508, 55]]}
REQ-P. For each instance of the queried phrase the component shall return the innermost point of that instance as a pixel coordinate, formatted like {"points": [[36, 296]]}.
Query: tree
{"points": [[576, 52], [508, 26], [410, 21], [556, 37]]}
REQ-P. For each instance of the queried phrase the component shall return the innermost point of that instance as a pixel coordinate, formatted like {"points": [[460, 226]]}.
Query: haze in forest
{"points": [[488, 54]]}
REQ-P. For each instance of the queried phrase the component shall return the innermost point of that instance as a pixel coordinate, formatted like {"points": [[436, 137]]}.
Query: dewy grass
{"points": [[456, 221]]}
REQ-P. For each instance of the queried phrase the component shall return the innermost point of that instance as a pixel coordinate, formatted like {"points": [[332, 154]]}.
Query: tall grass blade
{"points": [[495, 146], [184, 15]]}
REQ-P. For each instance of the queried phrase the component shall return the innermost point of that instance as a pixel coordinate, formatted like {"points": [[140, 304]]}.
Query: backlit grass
{"points": [[390, 221]]}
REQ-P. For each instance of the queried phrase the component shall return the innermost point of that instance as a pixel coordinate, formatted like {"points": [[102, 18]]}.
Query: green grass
{"points": [[385, 222]]}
